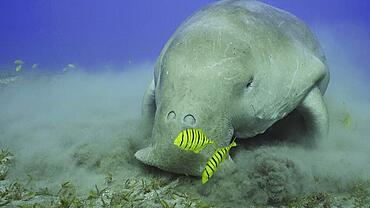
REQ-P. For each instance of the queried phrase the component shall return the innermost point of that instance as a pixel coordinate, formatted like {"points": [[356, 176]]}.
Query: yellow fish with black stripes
{"points": [[213, 163], [192, 140]]}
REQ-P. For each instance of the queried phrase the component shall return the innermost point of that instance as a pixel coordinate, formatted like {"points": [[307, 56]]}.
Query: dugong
{"points": [[234, 68]]}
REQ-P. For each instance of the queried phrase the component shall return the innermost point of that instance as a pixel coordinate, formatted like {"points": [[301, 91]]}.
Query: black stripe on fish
{"points": [[210, 167], [211, 162], [216, 158], [197, 140], [203, 139], [182, 139], [207, 172], [216, 164], [185, 140], [191, 138], [188, 139], [218, 153]]}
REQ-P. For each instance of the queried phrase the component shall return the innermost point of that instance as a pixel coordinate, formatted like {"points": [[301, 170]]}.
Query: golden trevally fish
{"points": [[213, 163], [192, 140]]}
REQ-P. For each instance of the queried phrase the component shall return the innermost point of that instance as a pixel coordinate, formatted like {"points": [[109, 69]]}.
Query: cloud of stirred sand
{"points": [[79, 126], [74, 126]]}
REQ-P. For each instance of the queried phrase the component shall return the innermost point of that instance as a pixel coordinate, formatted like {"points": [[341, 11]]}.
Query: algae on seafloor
{"points": [[6, 160], [152, 191], [133, 192], [357, 197]]}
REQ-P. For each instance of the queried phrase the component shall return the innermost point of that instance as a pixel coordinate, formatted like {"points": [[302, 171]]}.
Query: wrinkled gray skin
{"points": [[233, 68]]}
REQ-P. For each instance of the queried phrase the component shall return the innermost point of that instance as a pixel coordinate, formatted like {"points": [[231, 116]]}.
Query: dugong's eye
{"points": [[248, 86]]}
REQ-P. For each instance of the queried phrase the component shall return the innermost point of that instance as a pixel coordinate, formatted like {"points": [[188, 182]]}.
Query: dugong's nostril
{"points": [[171, 115], [189, 120]]}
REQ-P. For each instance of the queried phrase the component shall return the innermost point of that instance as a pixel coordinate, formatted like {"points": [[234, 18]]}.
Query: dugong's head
{"points": [[205, 78]]}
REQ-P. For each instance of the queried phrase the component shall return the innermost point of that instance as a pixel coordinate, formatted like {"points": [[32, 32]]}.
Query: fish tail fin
{"points": [[233, 143]]}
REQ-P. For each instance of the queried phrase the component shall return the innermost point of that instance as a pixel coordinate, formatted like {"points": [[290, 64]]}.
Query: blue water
{"points": [[94, 33]]}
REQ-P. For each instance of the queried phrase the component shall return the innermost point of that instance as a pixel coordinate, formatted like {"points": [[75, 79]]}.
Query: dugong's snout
{"points": [[170, 158], [165, 155]]}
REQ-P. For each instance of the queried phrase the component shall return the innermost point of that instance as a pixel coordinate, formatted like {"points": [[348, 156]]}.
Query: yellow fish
{"points": [[192, 140], [217, 158]]}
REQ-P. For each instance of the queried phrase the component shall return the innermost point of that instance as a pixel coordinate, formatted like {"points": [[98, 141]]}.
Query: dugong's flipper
{"points": [[148, 108], [315, 115]]}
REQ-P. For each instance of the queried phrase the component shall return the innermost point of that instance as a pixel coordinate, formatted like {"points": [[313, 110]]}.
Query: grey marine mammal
{"points": [[235, 67]]}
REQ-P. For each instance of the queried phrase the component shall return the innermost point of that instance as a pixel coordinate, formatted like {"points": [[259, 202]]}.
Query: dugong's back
{"points": [[283, 21], [263, 23]]}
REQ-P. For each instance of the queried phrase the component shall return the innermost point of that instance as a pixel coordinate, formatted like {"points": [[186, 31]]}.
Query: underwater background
{"points": [[72, 76]]}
